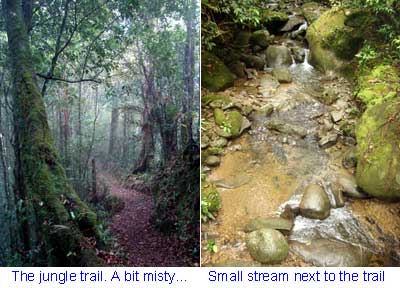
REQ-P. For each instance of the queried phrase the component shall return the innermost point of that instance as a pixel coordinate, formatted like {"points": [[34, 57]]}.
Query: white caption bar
{"points": [[199, 277]]}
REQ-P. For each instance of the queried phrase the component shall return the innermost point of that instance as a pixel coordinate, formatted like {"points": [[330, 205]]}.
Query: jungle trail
{"points": [[300, 133]]}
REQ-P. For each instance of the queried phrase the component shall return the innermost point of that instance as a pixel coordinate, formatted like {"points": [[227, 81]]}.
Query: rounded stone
{"points": [[267, 246], [315, 203]]}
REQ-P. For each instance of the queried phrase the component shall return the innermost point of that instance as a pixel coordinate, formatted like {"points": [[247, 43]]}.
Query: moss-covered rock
{"points": [[267, 246], [215, 75], [333, 44], [210, 201], [378, 84], [269, 17], [261, 38], [230, 122], [378, 149], [219, 116]]}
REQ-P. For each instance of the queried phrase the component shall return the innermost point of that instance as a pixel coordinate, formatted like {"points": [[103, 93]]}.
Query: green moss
{"points": [[215, 76], [219, 116], [378, 149], [215, 151], [333, 44], [210, 201], [261, 38], [268, 16], [378, 84], [233, 121]]}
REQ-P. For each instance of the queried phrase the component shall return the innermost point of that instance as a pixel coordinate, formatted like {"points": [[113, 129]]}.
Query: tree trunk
{"points": [[187, 132], [113, 131], [62, 219]]}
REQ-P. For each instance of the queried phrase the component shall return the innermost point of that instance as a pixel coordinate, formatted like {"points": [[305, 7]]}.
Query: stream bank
{"points": [[283, 131]]}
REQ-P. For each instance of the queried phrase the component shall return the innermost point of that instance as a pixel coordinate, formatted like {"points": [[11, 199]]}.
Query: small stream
{"points": [[265, 170]]}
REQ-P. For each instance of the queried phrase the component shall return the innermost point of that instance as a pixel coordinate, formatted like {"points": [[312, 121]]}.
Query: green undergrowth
{"points": [[176, 193]]}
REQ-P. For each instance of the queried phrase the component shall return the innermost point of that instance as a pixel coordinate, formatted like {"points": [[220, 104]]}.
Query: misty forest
{"points": [[99, 160]]}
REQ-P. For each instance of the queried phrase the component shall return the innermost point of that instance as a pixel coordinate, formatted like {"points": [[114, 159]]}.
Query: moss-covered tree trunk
{"points": [[61, 222]]}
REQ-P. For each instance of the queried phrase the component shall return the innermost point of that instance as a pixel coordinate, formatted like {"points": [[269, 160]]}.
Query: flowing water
{"points": [[268, 170]]}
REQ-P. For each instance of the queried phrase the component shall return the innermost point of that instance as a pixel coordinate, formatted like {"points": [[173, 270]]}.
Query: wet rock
{"points": [[246, 124], [286, 128], [215, 76], [280, 224], [213, 161], [294, 22], [315, 203], [298, 54], [220, 142], [267, 246], [328, 140], [253, 61], [283, 75], [261, 38], [338, 197], [246, 110], [238, 69], [378, 138], [347, 184], [267, 110], [251, 73], [268, 81], [328, 125], [329, 253], [278, 56], [337, 115], [350, 159]]}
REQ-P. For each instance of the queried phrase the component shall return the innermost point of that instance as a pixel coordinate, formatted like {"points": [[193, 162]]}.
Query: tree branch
{"points": [[48, 78]]}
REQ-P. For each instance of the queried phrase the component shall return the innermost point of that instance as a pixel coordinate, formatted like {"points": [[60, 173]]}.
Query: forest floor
{"points": [[132, 228]]}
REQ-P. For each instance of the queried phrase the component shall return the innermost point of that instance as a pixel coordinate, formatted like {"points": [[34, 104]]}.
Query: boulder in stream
{"points": [[278, 56], [283, 75], [286, 128], [267, 246], [330, 253], [315, 203], [281, 224], [294, 22], [333, 44]]}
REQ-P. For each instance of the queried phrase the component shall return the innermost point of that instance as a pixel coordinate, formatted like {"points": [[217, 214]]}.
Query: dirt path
{"points": [[143, 245]]}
